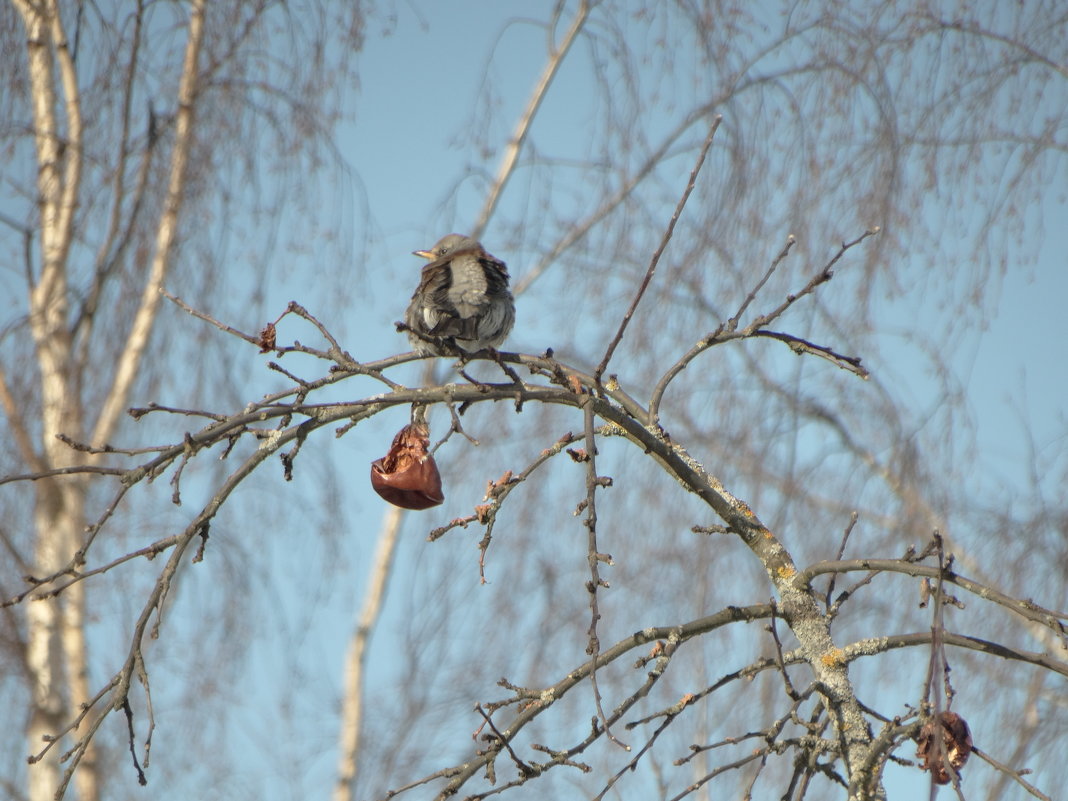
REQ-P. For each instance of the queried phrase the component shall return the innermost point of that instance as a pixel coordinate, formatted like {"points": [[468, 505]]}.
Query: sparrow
{"points": [[462, 299]]}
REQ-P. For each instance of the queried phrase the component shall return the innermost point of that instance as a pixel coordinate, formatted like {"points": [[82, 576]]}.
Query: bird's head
{"points": [[450, 243]]}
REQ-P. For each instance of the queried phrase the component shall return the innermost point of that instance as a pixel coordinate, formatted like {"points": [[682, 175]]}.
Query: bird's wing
{"points": [[434, 284], [433, 294], [496, 272]]}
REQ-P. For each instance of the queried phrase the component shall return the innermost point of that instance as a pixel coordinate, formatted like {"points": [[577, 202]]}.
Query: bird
{"points": [[462, 300]]}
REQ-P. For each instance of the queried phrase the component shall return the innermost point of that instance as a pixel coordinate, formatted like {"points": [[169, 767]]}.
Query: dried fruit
{"points": [[956, 745], [408, 476], [267, 338]]}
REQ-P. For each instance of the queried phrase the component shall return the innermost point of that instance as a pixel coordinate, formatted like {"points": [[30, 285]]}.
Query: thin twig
{"points": [[1012, 774], [499, 490], [633, 763], [1024, 608], [801, 346], [822, 277], [677, 634], [659, 251], [760, 753], [335, 352], [732, 323], [593, 559], [773, 630], [524, 768], [838, 556], [726, 332], [65, 471], [149, 552], [207, 318], [131, 737]]}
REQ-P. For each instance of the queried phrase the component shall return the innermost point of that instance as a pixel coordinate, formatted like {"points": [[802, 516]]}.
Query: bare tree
{"points": [[819, 723], [937, 124], [708, 560], [121, 122]]}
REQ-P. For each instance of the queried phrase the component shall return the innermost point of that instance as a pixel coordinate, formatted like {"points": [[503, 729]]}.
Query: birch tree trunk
{"points": [[57, 657], [55, 641]]}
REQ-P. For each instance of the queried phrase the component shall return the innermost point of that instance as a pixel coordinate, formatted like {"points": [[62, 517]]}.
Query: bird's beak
{"points": [[426, 254]]}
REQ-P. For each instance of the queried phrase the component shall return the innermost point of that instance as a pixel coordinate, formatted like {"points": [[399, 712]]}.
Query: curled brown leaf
{"points": [[955, 748]]}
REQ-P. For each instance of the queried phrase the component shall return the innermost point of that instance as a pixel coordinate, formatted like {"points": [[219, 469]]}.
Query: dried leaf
{"points": [[267, 338], [956, 745], [408, 476]]}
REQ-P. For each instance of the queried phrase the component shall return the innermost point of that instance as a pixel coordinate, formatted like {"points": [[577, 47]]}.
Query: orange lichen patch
{"points": [[834, 657], [786, 571]]}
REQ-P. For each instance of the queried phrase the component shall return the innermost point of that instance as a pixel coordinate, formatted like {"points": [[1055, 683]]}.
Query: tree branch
{"points": [[515, 144], [167, 233], [660, 250]]}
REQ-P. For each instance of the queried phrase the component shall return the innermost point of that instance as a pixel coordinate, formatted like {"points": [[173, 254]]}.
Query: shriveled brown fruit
{"points": [[408, 476], [956, 745], [267, 338]]}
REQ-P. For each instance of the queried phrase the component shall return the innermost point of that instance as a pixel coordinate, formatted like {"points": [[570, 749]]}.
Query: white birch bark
{"points": [[56, 647], [356, 659], [57, 514]]}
